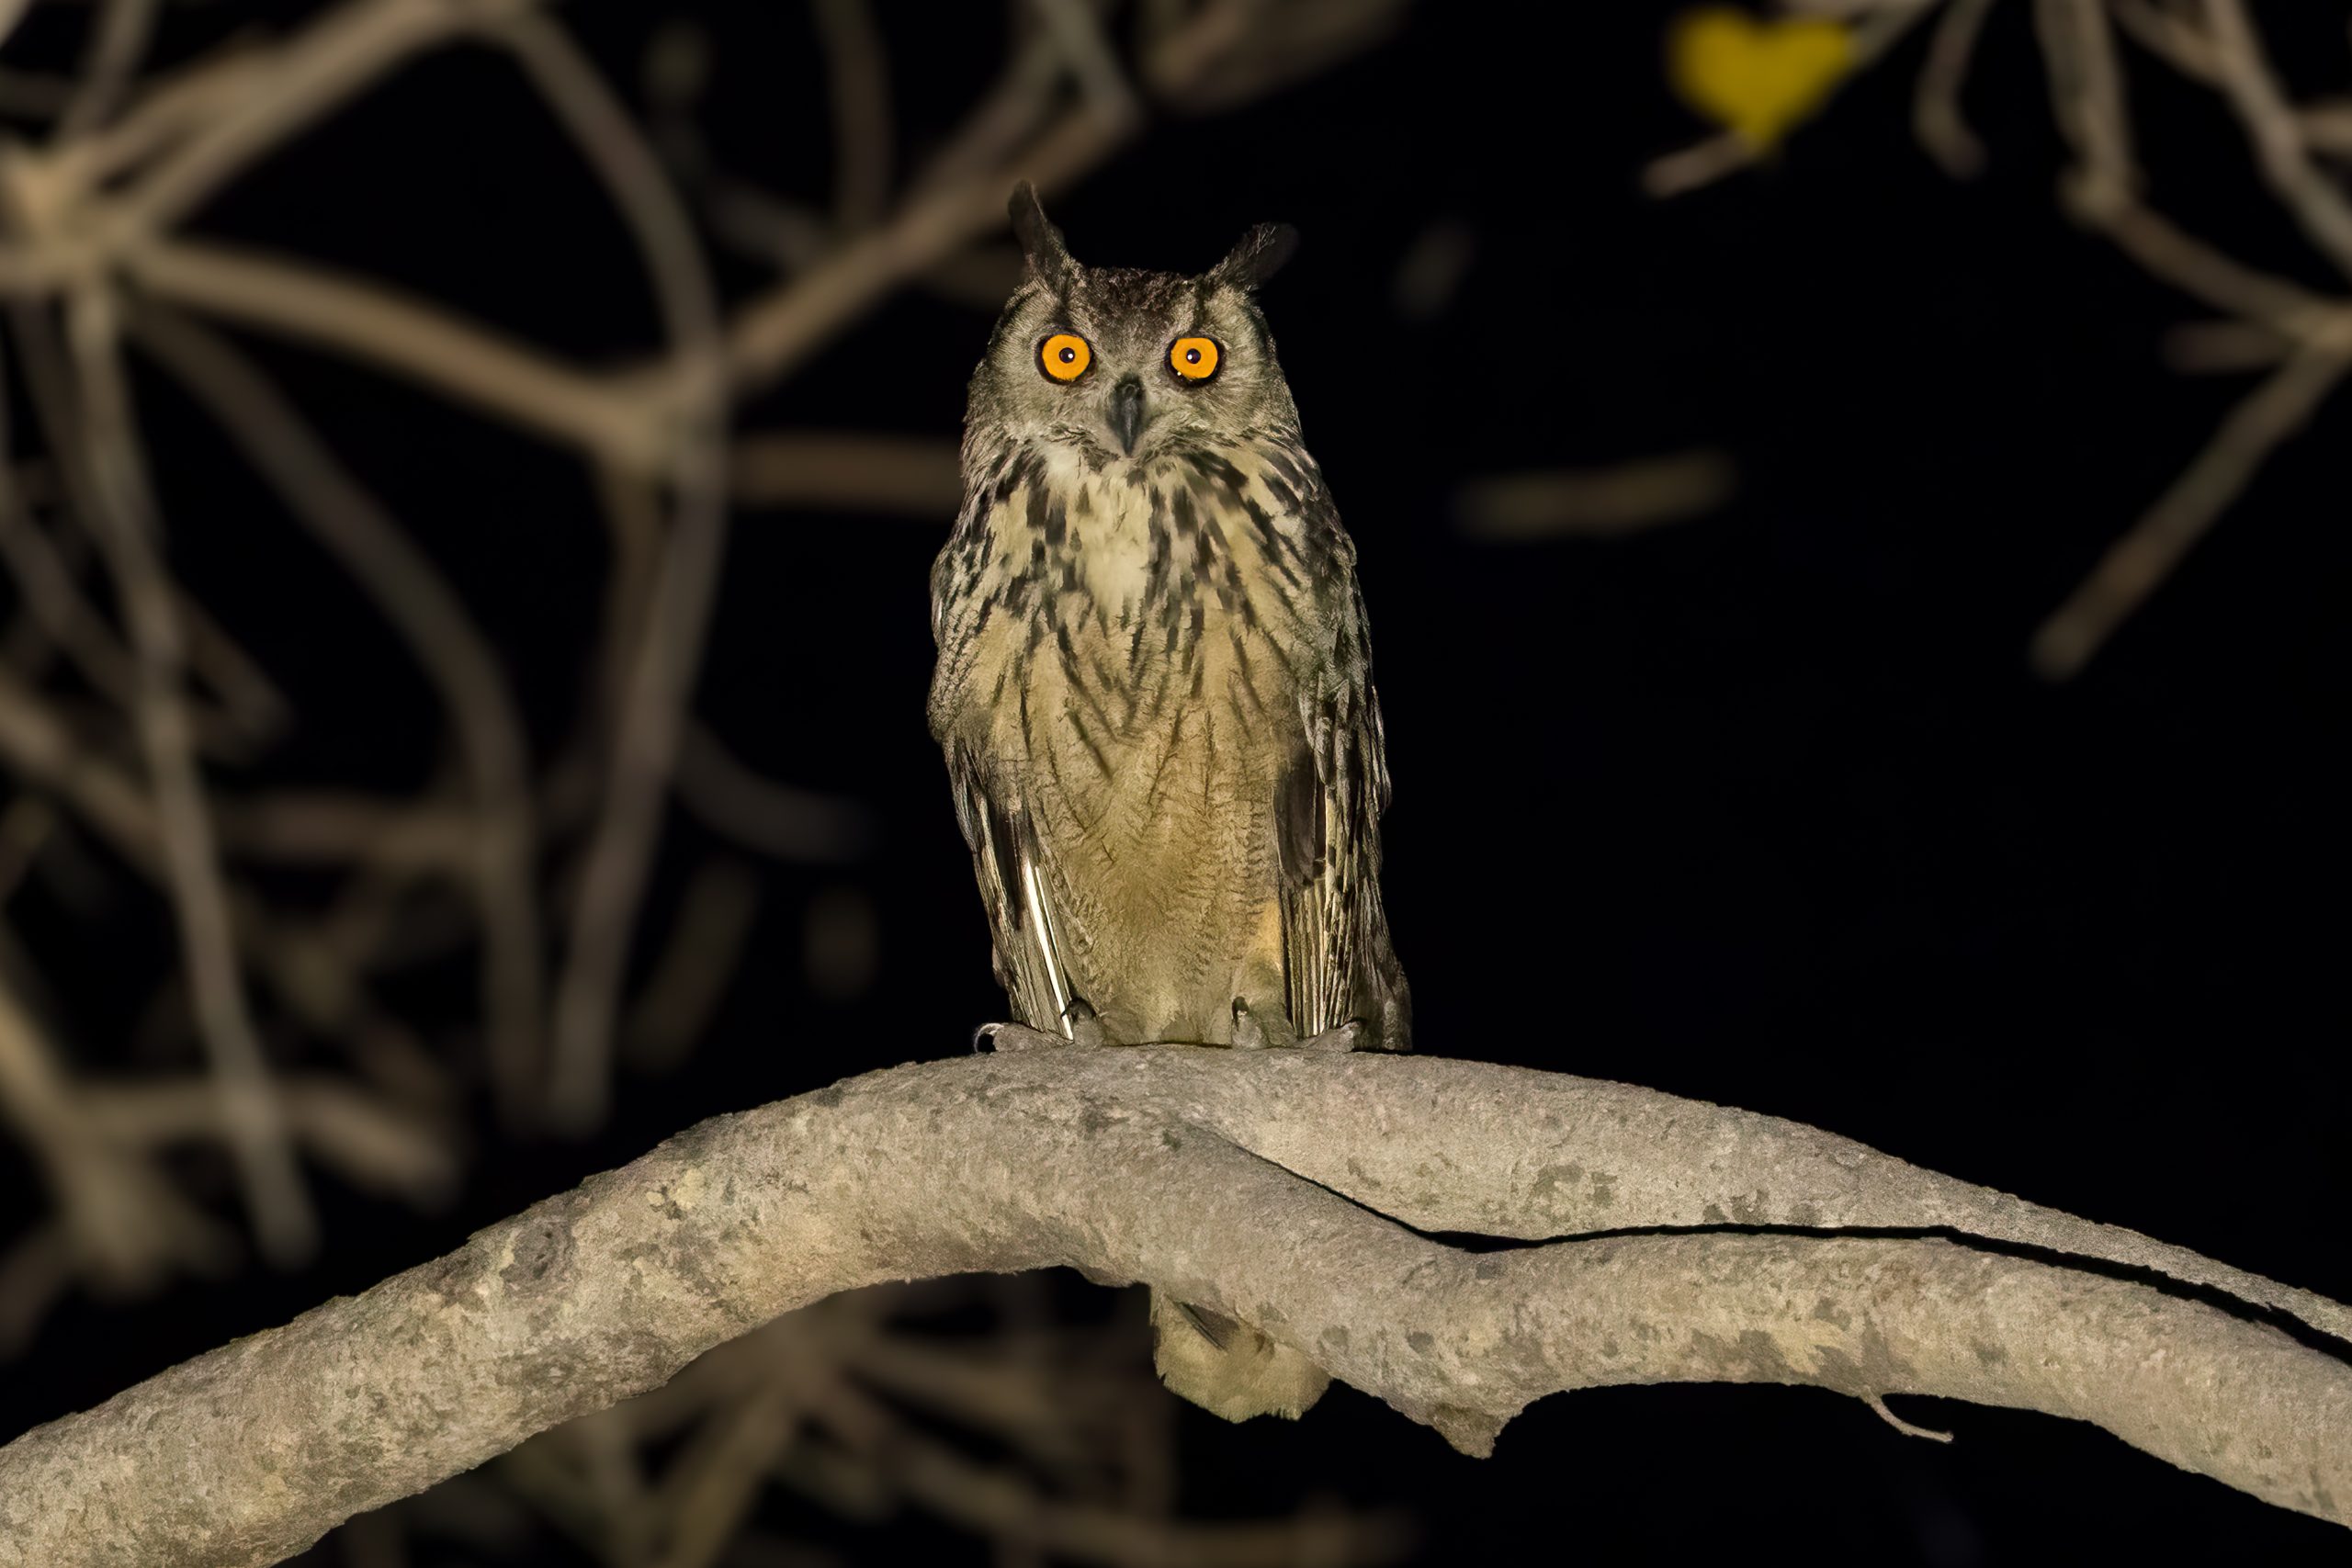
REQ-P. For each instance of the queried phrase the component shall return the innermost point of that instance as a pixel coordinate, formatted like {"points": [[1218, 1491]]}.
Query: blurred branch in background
{"points": [[123, 700], [901, 475], [1597, 504], [1049, 1441], [1759, 78]]}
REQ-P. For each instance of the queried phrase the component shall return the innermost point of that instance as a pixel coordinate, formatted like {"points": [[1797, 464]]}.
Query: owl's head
{"points": [[1123, 363]]}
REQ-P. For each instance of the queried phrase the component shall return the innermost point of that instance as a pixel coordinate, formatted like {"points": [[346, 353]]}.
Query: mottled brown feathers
{"points": [[1154, 692]]}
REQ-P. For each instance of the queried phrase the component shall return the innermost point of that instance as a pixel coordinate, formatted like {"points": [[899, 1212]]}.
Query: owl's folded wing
{"points": [[1335, 933], [1021, 921]]}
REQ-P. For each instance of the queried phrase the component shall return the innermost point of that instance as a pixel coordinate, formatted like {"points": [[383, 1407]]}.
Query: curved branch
{"points": [[379, 325], [291, 88], [248, 1453]]}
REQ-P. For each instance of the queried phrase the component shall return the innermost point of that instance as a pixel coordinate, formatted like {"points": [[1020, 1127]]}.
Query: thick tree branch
{"points": [[1226, 1177]]}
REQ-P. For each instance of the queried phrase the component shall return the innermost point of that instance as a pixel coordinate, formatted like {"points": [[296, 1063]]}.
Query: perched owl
{"points": [[1154, 690]]}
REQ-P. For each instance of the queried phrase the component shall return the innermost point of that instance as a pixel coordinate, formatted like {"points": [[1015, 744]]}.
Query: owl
{"points": [[1154, 693]]}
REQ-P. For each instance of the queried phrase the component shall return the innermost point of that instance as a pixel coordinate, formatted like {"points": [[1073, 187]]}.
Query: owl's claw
{"points": [[1252, 1033], [1006, 1037], [1084, 1027], [1081, 1026], [1348, 1036]]}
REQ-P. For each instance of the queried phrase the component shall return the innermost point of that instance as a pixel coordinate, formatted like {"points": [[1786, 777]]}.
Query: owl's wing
{"points": [[1006, 857], [1335, 932]]}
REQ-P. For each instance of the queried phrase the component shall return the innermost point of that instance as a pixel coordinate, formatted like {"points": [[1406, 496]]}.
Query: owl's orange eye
{"points": [[1064, 357], [1193, 358]]}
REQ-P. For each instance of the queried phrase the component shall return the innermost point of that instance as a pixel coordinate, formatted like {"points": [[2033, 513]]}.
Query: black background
{"points": [[1764, 807]]}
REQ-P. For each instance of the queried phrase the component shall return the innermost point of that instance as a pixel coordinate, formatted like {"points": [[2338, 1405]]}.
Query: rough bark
{"points": [[1227, 1177]]}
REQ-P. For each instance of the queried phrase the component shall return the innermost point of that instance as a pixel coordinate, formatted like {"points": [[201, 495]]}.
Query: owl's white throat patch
{"points": [[1108, 517]]}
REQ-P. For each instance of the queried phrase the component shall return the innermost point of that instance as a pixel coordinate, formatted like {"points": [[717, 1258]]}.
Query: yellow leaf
{"points": [[1759, 78]]}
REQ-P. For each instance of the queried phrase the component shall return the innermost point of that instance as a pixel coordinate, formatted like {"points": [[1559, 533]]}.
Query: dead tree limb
{"points": [[1273, 1186]]}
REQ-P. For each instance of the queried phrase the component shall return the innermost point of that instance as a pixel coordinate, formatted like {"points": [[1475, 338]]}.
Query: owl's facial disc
{"points": [[1120, 366]]}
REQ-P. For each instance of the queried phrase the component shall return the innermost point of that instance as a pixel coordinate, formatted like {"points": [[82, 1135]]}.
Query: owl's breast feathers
{"points": [[1154, 690], [1142, 583]]}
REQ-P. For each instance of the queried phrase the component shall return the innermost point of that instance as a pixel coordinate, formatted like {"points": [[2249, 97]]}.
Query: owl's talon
{"points": [[1348, 1036], [1008, 1037], [1084, 1028]]}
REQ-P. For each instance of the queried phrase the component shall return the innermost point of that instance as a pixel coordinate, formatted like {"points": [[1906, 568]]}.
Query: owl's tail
{"points": [[1229, 1368]]}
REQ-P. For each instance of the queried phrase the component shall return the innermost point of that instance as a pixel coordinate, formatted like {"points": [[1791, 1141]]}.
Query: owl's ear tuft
{"points": [[1041, 242], [1258, 256]]}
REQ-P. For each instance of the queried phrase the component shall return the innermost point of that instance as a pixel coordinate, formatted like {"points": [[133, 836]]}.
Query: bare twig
{"points": [[689, 979], [628, 421], [857, 76], [662, 665], [1002, 1504], [1701, 163], [962, 195], [313, 74], [2310, 196], [2277, 322], [1935, 116], [292, 827], [1878, 26], [2086, 90], [168, 108], [849, 470], [2144, 557], [1078, 34], [378, 1148], [444, 639], [53, 599], [712, 1487], [2163, 31], [2169, 253], [1602, 504], [777, 820], [273, 1184], [120, 1224], [30, 93], [36, 1269], [377, 325], [2210, 348], [37, 745], [25, 828], [124, 30]]}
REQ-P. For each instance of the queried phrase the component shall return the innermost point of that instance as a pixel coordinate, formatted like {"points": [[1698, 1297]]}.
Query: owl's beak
{"points": [[1125, 412]]}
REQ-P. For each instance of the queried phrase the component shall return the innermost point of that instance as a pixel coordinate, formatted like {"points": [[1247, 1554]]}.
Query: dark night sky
{"points": [[1764, 807]]}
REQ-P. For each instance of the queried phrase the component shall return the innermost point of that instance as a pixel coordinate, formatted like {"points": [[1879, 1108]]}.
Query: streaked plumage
{"points": [[1154, 690]]}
